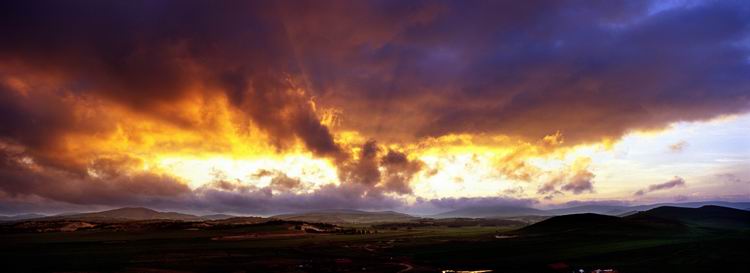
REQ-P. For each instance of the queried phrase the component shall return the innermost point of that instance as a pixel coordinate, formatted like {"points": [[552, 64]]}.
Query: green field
{"points": [[425, 249]]}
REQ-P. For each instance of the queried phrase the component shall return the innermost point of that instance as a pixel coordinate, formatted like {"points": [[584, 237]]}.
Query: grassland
{"points": [[635, 244], [183, 250]]}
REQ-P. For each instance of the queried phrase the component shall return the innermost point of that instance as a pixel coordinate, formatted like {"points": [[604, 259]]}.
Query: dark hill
{"points": [[127, 214], [706, 216], [504, 211], [659, 220], [585, 222]]}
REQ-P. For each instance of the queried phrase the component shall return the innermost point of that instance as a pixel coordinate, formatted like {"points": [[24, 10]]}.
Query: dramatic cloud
{"points": [[240, 198], [392, 172], [591, 72], [285, 183], [114, 182], [279, 180], [110, 182], [399, 171], [196, 51], [365, 169], [101, 101], [676, 182], [678, 146], [576, 179], [580, 182]]}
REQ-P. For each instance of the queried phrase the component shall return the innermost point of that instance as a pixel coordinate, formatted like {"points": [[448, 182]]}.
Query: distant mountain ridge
{"points": [[347, 216], [219, 216], [661, 219], [128, 214], [491, 212], [21, 217], [612, 210], [358, 216], [706, 216]]}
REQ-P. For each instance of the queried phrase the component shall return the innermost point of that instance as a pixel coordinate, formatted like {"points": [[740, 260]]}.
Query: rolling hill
{"points": [[705, 216], [584, 222], [654, 221], [612, 210], [126, 214]]}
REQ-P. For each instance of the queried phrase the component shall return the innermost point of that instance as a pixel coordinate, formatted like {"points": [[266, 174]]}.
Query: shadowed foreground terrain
{"points": [[663, 239]]}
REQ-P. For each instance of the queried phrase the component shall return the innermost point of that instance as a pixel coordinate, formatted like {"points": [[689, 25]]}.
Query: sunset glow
{"points": [[270, 107]]}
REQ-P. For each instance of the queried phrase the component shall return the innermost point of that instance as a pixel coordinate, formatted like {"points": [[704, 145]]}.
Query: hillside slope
{"points": [[661, 220], [128, 214], [705, 216]]}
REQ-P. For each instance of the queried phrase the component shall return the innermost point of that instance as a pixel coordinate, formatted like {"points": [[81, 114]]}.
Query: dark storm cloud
{"points": [[400, 70], [112, 182], [399, 171], [676, 182], [397, 70], [37, 122], [590, 71], [21, 177], [389, 172], [264, 201], [367, 183], [526, 69], [364, 170], [148, 54]]}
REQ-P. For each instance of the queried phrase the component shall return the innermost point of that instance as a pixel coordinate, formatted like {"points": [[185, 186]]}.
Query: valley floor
{"points": [[418, 249]]}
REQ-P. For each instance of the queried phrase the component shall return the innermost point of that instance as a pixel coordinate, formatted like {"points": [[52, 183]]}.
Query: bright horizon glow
{"points": [[474, 173], [275, 106]]}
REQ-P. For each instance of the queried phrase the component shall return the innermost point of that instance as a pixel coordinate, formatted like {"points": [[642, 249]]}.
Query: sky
{"points": [[262, 107]]}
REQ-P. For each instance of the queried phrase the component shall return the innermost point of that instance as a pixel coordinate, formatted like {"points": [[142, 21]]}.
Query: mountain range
{"points": [[358, 216], [21, 217], [612, 210], [660, 220], [340, 216], [121, 214]]}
